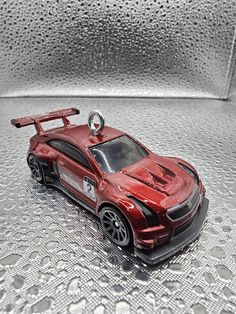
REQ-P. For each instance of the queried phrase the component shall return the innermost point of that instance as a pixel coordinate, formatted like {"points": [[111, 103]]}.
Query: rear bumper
{"points": [[178, 242]]}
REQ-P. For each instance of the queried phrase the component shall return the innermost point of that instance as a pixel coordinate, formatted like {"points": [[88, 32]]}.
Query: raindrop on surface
{"points": [[42, 306], [224, 272], [33, 291], [74, 286], [142, 276], [217, 252], [78, 307], [99, 309], [10, 260], [122, 307], [172, 285], [199, 309], [51, 246], [18, 281]]}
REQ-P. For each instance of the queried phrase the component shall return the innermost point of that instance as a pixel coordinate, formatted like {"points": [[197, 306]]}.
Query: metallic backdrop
{"points": [[53, 255], [165, 48]]}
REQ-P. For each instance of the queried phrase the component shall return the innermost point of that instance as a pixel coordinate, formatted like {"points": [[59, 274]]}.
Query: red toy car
{"points": [[154, 203]]}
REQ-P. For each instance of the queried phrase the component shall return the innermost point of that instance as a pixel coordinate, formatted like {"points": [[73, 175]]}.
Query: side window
{"points": [[75, 154], [70, 151], [58, 145]]}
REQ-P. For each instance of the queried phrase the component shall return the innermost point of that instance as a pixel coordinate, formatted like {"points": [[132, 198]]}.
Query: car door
{"points": [[75, 172]]}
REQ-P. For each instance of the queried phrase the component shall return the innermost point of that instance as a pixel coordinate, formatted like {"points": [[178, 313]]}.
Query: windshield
{"points": [[118, 153]]}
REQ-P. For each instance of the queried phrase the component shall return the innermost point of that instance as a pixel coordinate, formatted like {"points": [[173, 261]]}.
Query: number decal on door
{"points": [[89, 188]]}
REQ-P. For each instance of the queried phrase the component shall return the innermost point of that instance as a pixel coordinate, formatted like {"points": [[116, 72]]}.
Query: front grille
{"points": [[184, 227], [184, 210]]}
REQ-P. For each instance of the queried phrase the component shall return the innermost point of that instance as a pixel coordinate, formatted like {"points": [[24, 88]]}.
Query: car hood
{"points": [[158, 182]]}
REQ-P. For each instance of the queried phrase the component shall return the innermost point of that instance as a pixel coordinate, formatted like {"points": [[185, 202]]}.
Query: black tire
{"points": [[35, 168], [115, 226]]}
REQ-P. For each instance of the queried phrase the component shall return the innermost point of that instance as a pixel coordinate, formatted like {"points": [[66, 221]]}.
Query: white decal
{"points": [[70, 180], [89, 188], [88, 185]]}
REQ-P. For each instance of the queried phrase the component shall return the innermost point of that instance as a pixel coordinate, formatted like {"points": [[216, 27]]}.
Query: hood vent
{"points": [[158, 179], [167, 171], [147, 182]]}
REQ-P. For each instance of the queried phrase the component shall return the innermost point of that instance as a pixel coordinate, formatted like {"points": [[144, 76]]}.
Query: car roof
{"points": [[81, 134]]}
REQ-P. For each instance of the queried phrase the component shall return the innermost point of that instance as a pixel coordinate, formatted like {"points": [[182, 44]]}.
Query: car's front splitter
{"points": [[178, 242]]}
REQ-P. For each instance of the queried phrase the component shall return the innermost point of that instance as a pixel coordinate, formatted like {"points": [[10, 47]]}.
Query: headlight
{"points": [[149, 213], [190, 172]]}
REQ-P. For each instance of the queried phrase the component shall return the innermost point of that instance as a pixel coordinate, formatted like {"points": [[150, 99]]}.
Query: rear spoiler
{"points": [[37, 119]]}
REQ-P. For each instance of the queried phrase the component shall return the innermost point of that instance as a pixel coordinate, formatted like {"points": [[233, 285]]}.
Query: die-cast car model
{"points": [[153, 203]]}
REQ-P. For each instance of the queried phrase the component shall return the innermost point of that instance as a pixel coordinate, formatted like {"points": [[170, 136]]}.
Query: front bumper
{"points": [[177, 243]]}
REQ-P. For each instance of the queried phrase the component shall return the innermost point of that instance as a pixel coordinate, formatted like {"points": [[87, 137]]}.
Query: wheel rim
{"points": [[35, 168], [115, 228]]}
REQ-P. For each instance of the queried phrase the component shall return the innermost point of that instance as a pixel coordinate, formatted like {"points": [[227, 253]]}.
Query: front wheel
{"points": [[35, 168], [115, 226]]}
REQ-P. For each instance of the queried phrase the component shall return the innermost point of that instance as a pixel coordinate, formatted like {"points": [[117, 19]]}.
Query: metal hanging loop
{"points": [[96, 129]]}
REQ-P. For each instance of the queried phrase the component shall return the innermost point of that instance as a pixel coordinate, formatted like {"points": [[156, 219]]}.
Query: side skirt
{"points": [[55, 183]]}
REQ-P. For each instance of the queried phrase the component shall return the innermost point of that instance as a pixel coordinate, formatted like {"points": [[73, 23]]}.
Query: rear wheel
{"points": [[35, 168], [115, 226]]}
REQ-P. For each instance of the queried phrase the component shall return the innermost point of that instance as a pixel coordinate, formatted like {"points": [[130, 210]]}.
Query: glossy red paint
{"points": [[158, 182]]}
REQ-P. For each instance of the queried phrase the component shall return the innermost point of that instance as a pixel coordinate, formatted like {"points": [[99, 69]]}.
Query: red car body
{"points": [[161, 198]]}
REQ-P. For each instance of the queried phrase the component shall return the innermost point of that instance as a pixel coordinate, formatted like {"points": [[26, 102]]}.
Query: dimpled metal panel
{"points": [[166, 48], [54, 257]]}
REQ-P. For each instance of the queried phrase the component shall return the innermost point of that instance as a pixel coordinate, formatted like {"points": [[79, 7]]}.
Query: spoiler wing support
{"points": [[37, 119]]}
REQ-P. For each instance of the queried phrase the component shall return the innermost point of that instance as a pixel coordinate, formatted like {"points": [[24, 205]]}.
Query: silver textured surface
{"points": [[53, 255], [166, 48]]}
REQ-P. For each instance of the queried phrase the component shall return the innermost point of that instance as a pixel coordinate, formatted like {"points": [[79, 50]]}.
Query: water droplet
{"points": [[127, 266], [172, 285], [37, 240], [217, 252], [103, 280], [199, 309], [228, 292], [42, 306], [35, 224], [33, 255], [33, 291], [209, 278], [100, 309], [117, 288], [10, 260], [141, 310], [96, 262], [176, 268], [150, 297], [51, 246], [45, 276], [45, 261], [142, 276], [62, 264], [23, 248], [74, 245], [224, 272], [88, 248], [26, 267], [78, 307], [113, 260], [196, 263], [18, 281], [74, 286], [198, 290], [122, 307]]}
